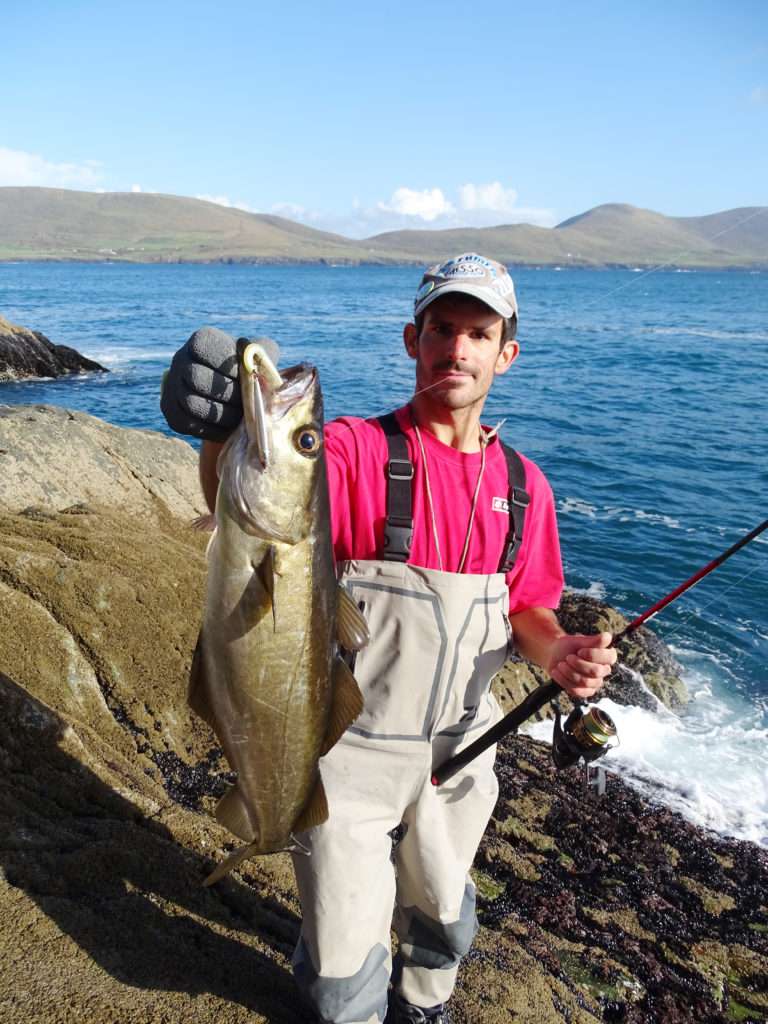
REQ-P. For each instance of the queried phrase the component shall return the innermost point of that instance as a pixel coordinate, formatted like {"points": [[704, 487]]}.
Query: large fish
{"points": [[267, 674]]}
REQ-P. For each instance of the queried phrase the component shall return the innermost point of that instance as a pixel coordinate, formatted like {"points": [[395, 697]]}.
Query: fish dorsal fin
{"points": [[197, 693], [351, 627], [231, 862], [315, 811], [232, 813], [346, 704]]}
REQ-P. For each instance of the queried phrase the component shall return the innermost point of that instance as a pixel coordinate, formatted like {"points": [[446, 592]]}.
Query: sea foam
{"points": [[710, 763]]}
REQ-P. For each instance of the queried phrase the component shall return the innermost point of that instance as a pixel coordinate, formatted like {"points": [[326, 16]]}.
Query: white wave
{"points": [[595, 589], [706, 332], [131, 354], [710, 763], [576, 506], [621, 513]]}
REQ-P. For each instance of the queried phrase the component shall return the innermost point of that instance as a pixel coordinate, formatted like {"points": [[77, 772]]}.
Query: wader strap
{"points": [[398, 529], [519, 500]]}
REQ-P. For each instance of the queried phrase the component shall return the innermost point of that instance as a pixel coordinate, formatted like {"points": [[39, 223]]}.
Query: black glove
{"points": [[201, 391]]}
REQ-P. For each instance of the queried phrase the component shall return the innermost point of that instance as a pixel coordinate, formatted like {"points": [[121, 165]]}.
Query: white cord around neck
{"points": [[484, 439]]}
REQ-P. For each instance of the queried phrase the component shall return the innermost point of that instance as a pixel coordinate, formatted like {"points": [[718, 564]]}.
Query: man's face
{"points": [[459, 351]]}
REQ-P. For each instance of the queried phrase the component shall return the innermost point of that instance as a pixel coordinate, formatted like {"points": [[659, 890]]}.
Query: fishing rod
{"points": [[585, 734]]}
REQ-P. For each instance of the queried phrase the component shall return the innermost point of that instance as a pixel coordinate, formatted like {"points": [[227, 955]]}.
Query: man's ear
{"points": [[510, 350], [411, 340]]}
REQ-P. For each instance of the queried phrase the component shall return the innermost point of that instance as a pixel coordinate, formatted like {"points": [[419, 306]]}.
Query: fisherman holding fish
{"points": [[446, 542]]}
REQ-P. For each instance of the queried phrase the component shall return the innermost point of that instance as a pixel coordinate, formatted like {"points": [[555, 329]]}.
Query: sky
{"points": [[361, 118]]}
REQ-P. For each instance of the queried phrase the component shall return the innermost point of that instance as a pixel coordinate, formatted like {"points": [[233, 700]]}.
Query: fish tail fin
{"points": [[230, 863]]}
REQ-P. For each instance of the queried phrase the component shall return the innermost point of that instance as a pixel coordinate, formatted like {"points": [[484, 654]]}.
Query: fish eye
{"points": [[307, 441]]}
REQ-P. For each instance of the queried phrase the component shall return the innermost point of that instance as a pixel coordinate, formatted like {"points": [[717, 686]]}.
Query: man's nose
{"points": [[458, 345]]}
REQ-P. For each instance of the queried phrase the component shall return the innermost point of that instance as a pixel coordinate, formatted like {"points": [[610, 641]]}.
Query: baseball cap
{"points": [[473, 275]]}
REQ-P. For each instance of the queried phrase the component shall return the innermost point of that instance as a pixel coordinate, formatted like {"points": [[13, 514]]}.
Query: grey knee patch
{"points": [[342, 1000], [428, 943]]}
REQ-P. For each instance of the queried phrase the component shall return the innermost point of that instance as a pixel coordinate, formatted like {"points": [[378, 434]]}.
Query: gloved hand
{"points": [[201, 391]]}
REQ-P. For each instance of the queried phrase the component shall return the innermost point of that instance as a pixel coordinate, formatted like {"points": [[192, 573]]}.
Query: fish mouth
{"points": [[298, 381], [268, 395], [263, 405]]}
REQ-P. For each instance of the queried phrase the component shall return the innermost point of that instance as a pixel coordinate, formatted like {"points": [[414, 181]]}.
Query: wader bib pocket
{"points": [[439, 638]]}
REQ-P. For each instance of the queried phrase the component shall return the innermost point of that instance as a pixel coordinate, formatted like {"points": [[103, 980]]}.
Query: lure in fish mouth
{"points": [[279, 439]]}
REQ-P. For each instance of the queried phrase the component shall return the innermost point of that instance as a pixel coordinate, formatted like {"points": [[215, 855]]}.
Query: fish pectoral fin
{"points": [[347, 703], [232, 813], [197, 692], [231, 862], [316, 810], [351, 627]]}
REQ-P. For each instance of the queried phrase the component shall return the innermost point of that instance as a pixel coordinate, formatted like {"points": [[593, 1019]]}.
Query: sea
{"points": [[642, 395]]}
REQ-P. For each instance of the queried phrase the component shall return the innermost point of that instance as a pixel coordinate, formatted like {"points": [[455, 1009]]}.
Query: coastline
{"points": [[758, 267]]}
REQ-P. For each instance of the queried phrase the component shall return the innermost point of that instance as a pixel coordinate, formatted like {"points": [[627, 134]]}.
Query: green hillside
{"points": [[606, 235], [59, 224], [44, 223]]}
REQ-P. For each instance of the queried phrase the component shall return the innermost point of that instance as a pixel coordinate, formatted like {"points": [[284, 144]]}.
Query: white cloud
{"points": [[428, 205], [226, 201], [488, 197], [760, 94], [135, 188], [20, 168], [472, 205], [294, 211]]}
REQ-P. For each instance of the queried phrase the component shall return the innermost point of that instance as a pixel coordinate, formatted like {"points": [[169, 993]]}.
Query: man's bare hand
{"points": [[580, 664]]}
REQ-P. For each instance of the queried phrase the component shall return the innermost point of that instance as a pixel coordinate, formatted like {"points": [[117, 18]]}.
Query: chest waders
{"points": [[437, 640]]}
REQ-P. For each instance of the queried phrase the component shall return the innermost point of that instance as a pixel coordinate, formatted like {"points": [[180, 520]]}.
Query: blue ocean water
{"points": [[641, 395]]}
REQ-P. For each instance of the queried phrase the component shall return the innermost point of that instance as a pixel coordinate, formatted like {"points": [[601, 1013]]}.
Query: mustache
{"points": [[450, 364]]}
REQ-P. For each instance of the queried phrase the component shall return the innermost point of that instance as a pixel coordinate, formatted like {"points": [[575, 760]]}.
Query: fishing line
{"points": [[675, 259], [366, 419], [668, 636]]}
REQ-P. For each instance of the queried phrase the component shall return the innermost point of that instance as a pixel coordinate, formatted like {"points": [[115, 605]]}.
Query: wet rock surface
{"points": [[591, 909], [644, 917], [25, 353]]}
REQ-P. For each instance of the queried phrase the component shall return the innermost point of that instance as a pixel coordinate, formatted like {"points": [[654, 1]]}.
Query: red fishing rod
{"points": [[584, 735]]}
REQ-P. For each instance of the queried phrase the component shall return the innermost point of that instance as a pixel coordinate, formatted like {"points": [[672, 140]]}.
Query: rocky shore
{"points": [[25, 353], [592, 909]]}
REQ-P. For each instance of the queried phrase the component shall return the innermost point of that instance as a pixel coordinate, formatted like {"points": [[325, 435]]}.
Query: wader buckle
{"points": [[404, 473], [398, 540]]}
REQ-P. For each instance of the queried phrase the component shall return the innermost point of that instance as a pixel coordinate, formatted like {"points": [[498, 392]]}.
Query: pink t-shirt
{"points": [[357, 456]]}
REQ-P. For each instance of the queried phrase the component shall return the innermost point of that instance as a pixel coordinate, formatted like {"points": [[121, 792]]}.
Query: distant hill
{"points": [[51, 223], [613, 234], [59, 224]]}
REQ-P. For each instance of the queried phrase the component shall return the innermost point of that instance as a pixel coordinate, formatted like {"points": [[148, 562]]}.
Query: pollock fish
{"points": [[268, 674]]}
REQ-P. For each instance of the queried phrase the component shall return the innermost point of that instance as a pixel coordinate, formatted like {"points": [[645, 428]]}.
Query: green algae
{"points": [[488, 888], [513, 827], [625, 919], [713, 902]]}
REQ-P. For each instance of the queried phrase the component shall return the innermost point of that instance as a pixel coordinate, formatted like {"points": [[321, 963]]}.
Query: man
{"points": [[427, 510]]}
